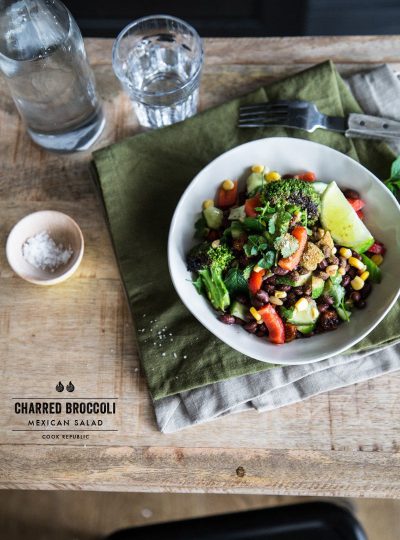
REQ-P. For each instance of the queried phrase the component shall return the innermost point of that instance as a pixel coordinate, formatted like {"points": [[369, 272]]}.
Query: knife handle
{"points": [[372, 127]]}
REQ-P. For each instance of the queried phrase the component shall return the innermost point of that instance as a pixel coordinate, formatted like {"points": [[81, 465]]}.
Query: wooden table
{"points": [[342, 443]]}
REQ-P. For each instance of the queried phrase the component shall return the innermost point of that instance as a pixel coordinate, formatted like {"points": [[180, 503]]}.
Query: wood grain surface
{"points": [[342, 443]]}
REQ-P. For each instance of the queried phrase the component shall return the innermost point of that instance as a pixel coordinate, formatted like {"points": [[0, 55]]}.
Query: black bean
{"points": [[346, 281], [257, 304], [285, 288], [326, 251], [347, 267], [227, 319], [262, 296], [271, 280], [352, 272], [302, 270], [355, 296], [342, 262], [298, 291], [326, 299], [328, 320], [357, 255], [351, 194], [242, 299], [366, 290], [279, 271], [260, 333], [361, 304], [323, 275], [270, 289], [250, 327], [291, 299], [322, 307], [323, 264], [307, 290], [294, 276], [239, 321], [333, 260]]}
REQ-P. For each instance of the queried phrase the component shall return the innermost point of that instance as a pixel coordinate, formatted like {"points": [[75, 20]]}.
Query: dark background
{"points": [[105, 18]]}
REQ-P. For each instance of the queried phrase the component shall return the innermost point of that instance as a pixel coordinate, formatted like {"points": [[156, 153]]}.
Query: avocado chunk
{"points": [[213, 217], [239, 310], [286, 280], [317, 287], [254, 182], [305, 317], [305, 328]]}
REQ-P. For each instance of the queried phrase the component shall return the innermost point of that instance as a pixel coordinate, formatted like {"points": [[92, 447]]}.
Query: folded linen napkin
{"points": [[141, 180]]}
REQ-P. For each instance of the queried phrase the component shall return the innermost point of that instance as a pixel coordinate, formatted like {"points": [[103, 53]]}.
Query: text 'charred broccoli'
{"points": [[293, 192]]}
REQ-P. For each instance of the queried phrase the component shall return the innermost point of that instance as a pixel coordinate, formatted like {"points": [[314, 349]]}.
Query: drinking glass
{"points": [[158, 60]]}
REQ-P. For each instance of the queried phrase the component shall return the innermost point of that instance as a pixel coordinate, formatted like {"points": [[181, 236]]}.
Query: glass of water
{"points": [[158, 60]]}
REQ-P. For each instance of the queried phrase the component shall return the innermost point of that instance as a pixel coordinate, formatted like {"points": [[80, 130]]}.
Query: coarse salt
{"points": [[42, 252]]}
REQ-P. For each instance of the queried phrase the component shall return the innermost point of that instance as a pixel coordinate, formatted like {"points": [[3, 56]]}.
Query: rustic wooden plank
{"points": [[202, 470], [343, 443]]}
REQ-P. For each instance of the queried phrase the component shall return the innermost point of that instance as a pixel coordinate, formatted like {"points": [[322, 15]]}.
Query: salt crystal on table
{"points": [[42, 252]]}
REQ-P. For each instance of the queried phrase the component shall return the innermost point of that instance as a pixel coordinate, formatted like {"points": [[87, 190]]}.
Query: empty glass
{"points": [[158, 60]]}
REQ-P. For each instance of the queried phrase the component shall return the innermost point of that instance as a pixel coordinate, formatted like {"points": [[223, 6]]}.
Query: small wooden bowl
{"points": [[62, 229]]}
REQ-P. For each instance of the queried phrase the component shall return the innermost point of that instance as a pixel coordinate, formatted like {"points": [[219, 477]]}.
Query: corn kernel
{"points": [[331, 269], [342, 271], [345, 252], [207, 203], [227, 185], [280, 294], [357, 283], [301, 305], [215, 243], [257, 268], [255, 314], [333, 250], [377, 259], [364, 276], [257, 168], [314, 312], [276, 301], [272, 176], [357, 263]]}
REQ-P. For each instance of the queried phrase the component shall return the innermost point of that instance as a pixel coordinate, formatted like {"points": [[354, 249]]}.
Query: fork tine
{"points": [[263, 107], [263, 114], [268, 112], [257, 122]]}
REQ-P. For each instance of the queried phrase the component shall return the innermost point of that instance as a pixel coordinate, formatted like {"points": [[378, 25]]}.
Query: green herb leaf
{"points": [[235, 282], [287, 244], [201, 228], [252, 224], [272, 224], [247, 271], [267, 261], [198, 285], [395, 169]]}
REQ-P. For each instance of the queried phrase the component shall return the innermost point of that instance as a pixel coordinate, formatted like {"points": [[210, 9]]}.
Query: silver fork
{"points": [[305, 115]]}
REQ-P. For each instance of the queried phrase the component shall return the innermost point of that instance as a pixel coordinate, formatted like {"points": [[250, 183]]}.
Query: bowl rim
{"points": [[69, 269], [213, 330]]}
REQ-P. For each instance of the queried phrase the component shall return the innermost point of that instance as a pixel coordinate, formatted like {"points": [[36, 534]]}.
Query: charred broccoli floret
{"points": [[293, 192], [210, 263]]}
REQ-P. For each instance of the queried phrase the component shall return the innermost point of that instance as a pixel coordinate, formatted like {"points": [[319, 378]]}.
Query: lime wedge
{"points": [[341, 220]]}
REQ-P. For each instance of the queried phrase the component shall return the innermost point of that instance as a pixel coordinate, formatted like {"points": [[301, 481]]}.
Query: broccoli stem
{"points": [[215, 287]]}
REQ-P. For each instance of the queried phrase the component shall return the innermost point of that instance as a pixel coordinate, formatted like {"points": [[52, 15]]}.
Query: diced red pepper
{"points": [[255, 281], [308, 176], [290, 263], [227, 198], [357, 204], [360, 214], [377, 248], [250, 206], [274, 324]]}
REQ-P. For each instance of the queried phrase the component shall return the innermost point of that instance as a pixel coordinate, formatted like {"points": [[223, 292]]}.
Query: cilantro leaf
{"points": [[393, 183], [287, 244], [235, 282], [252, 224], [247, 271], [267, 261], [201, 228]]}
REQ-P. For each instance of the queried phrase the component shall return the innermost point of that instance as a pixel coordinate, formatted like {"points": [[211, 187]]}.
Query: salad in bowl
{"points": [[286, 257]]}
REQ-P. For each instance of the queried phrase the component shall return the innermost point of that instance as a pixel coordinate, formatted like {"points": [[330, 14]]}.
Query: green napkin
{"points": [[141, 180]]}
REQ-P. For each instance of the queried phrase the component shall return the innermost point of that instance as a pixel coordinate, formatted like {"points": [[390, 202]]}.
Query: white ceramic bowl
{"points": [[62, 229], [289, 155]]}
